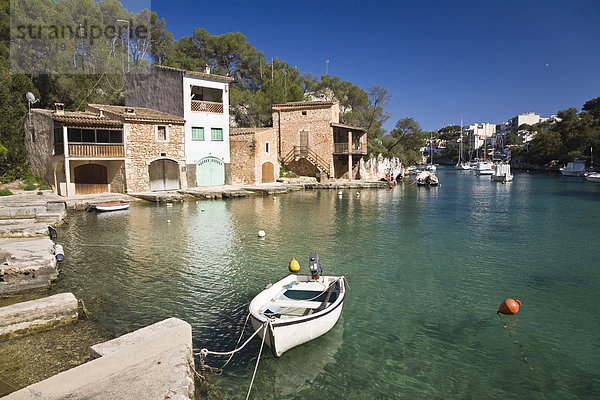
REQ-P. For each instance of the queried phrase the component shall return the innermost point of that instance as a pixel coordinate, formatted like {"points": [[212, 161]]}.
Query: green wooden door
{"points": [[210, 171]]}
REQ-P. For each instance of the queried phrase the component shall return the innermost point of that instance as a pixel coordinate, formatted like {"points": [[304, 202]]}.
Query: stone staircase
{"points": [[304, 152], [28, 216]]}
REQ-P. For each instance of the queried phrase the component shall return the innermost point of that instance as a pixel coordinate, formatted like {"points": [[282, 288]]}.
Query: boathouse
{"points": [[202, 100], [312, 142], [106, 149], [253, 155]]}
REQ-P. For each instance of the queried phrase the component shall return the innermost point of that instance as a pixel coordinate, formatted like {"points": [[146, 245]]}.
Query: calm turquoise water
{"points": [[427, 269]]}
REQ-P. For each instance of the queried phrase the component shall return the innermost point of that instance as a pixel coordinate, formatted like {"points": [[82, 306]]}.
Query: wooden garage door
{"points": [[90, 179], [164, 175], [210, 171], [268, 172]]}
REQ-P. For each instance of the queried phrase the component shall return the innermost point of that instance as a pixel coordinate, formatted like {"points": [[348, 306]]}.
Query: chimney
{"points": [[129, 110], [207, 70], [59, 108], [101, 112]]}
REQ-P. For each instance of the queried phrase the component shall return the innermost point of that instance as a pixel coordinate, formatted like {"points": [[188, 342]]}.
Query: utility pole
{"points": [[326, 67], [271, 69]]}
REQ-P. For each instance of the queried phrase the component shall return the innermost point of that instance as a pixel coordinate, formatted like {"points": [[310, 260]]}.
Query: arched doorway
{"points": [[210, 171], [164, 175], [90, 179], [268, 172]]}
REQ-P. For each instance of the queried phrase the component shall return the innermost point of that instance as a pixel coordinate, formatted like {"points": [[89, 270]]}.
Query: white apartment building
{"points": [[202, 99], [478, 134]]}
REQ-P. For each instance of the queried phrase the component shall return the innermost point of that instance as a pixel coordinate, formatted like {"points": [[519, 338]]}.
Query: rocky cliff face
{"points": [[378, 167]]}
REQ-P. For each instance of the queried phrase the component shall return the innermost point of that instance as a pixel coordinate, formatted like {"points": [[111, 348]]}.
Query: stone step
{"points": [[37, 314], [50, 218], [29, 228], [152, 363]]}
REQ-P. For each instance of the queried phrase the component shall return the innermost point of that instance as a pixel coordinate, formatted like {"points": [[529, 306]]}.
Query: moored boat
{"points": [[108, 206], [484, 168], [593, 177], [425, 178], [502, 173], [574, 168], [298, 308]]}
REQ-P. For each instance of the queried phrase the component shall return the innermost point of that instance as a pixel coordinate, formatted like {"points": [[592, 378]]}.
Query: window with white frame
{"points": [[161, 133]]}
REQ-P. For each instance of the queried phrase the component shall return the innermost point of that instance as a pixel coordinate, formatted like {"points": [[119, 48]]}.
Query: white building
{"points": [[202, 99], [478, 134]]}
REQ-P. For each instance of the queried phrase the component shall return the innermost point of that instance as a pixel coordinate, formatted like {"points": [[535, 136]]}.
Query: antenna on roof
{"points": [[30, 100]]}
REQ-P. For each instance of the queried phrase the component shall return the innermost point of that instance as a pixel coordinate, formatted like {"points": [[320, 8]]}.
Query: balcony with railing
{"points": [[344, 149], [92, 150], [207, 106]]}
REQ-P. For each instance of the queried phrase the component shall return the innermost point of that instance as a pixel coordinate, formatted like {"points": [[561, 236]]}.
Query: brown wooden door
{"points": [[268, 172], [90, 179]]}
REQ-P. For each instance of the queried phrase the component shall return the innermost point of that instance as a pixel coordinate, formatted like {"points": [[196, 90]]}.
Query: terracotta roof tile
{"points": [[81, 118], [213, 77], [140, 114], [344, 126], [304, 104], [246, 131]]}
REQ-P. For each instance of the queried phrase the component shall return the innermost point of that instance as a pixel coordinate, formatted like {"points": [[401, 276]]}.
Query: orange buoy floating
{"points": [[509, 307]]}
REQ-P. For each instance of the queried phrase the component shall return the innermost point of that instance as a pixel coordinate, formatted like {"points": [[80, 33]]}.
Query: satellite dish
{"points": [[30, 97]]}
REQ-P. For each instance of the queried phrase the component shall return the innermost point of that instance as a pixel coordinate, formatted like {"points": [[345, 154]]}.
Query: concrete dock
{"points": [[32, 315], [26, 263], [155, 362]]}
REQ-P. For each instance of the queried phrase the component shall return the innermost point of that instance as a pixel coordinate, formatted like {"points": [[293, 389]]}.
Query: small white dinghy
{"points": [[298, 308], [109, 206]]}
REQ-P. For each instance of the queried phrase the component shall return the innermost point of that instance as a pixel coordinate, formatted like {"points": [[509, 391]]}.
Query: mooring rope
{"points": [[507, 328], [204, 352], [257, 360]]}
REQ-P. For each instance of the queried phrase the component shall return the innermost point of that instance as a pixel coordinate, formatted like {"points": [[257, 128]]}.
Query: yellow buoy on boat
{"points": [[294, 265]]}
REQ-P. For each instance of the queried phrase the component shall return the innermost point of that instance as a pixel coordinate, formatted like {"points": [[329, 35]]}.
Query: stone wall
{"points": [[291, 121], [249, 154], [143, 147], [243, 158]]}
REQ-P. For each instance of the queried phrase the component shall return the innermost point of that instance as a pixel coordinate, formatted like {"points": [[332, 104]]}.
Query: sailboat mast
{"points": [[460, 150]]}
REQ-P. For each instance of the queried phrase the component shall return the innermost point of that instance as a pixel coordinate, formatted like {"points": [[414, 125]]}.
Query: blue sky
{"points": [[483, 60]]}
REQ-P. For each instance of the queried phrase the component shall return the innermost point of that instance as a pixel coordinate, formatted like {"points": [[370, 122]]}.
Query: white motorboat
{"points": [[484, 168], [574, 168], [298, 308], [464, 166], [593, 177], [109, 206], [502, 173], [425, 178]]}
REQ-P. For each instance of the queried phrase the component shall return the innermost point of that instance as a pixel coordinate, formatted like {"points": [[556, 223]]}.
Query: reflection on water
{"points": [[426, 267]]}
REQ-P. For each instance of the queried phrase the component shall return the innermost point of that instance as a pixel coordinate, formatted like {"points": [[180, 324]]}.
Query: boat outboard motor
{"points": [[314, 265]]}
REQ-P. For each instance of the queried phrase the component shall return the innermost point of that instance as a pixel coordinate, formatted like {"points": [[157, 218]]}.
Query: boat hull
{"points": [[286, 331], [594, 177], [282, 336], [502, 178], [111, 206]]}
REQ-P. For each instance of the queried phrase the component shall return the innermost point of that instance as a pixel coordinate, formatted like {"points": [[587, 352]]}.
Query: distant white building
{"points": [[513, 124], [478, 134]]}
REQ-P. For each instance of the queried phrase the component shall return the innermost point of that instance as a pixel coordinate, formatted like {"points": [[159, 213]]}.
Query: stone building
{"points": [[312, 142], [106, 149], [253, 155], [202, 100]]}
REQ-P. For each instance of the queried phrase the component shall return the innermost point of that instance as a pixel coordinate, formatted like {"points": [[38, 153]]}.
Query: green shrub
{"points": [[30, 187], [40, 193], [5, 192], [44, 186]]}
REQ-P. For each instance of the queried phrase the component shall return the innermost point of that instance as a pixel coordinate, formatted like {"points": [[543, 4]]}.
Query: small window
{"points": [[58, 134], [197, 133], [162, 133], [266, 147], [304, 112], [74, 135], [216, 134]]}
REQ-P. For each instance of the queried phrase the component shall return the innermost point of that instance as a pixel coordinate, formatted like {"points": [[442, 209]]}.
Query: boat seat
{"points": [[296, 304]]}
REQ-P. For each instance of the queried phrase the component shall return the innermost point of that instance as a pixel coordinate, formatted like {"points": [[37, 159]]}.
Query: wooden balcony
{"points": [[207, 106], [96, 150], [342, 148]]}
